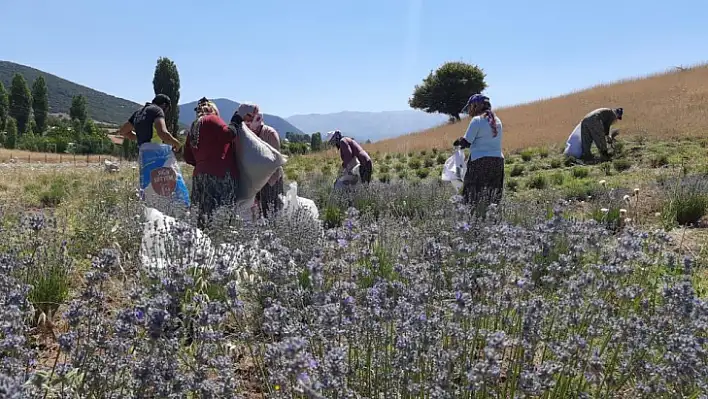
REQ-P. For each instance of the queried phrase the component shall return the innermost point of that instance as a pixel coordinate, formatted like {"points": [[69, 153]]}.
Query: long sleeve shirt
{"points": [[606, 115], [214, 155]]}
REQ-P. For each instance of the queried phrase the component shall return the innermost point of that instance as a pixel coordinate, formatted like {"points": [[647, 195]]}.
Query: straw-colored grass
{"points": [[661, 105]]}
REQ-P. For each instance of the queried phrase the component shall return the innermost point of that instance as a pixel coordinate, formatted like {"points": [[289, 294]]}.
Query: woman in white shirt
{"points": [[484, 179]]}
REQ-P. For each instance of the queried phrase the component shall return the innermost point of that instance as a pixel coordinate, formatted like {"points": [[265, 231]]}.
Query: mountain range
{"points": [[110, 109], [372, 126], [227, 108]]}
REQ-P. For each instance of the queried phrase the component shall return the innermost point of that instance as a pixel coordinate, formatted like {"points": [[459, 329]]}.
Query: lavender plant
{"points": [[410, 297]]}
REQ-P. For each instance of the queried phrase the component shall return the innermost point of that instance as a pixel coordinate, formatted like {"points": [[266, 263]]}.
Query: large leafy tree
{"points": [[20, 107], [78, 110], [4, 107], [166, 81], [40, 104], [447, 89]]}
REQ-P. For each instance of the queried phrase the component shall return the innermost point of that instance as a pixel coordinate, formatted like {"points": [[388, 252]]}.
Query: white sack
{"points": [[574, 145], [159, 249], [257, 161], [294, 205], [455, 169]]}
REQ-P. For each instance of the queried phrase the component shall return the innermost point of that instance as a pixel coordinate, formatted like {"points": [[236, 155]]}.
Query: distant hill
{"points": [[227, 109], [102, 107], [372, 126], [669, 104]]}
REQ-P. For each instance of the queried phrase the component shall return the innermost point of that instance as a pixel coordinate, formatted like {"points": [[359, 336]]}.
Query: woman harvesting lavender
{"points": [[484, 180]]}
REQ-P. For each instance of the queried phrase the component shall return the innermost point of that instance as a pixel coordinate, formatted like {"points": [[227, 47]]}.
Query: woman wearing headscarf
{"points": [[350, 152], [484, 179], [209, 150], [268, 196]]}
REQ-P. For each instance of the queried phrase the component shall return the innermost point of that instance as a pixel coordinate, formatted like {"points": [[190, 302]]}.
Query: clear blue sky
{"points": [[318, 56]]}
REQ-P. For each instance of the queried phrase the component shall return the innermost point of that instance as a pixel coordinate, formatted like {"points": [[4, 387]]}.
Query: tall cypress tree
{"points": [[78, 111], [4, 107], [40, 104], [20, 103], [166, 81]]}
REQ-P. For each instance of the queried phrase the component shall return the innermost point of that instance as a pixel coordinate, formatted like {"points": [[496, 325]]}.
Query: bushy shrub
{"points": [[580, 172], [621, 164], [516, 170], [538, 182], [526, 155]]}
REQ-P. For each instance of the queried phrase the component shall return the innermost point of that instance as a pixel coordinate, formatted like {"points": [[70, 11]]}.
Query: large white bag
{"points": [[161, 183], [159, 249], [574, 145], [247, 209], [293, 204], [455, 169], [348, 179], [257, 161]]}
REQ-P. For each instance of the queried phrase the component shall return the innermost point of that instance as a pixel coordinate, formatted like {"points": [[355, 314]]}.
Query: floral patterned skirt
{"points": [[484, 181]]}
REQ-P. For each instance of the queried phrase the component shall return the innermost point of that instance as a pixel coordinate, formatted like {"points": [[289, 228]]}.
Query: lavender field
{"points": [[398, 293]]}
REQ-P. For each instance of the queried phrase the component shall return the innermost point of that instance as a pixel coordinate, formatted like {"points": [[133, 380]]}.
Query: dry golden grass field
{"points": [[661, 105]]}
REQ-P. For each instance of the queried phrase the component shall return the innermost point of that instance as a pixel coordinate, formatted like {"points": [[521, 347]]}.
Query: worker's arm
{"points": [[471, 134], [126, 131], [165, 135]]}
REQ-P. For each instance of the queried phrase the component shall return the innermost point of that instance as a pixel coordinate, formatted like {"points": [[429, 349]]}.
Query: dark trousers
{"points": [[210, 193], [484, 181], [366, 169], [593, 131], [268, 198]]}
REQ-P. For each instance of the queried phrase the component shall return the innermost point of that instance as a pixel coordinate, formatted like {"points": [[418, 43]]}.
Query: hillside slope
{"points": [[227, 109], [667, 104], [102, 107]]}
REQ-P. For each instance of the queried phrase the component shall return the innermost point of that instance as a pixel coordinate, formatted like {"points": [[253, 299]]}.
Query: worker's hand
{"points": [[236, 118], [176, 147]]}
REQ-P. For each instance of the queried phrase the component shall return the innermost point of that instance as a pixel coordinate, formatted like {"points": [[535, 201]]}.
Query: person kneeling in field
{"points": [[208, 149], [350, 152], [484, 180], [594, 128]]}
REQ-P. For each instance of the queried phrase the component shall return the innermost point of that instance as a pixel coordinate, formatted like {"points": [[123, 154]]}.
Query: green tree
{"points": [[78, 109], [166, 81], [40, 104], [11, 138], [4, 107], [316, 141], [446, 90], [20, 102], [90, 128]]}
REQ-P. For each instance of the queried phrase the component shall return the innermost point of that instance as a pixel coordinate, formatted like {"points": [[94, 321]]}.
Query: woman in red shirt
{"points": [[208, 149]]}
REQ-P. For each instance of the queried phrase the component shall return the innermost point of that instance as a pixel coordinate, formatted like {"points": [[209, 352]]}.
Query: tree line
{"points": [[25, 122]]}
